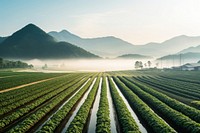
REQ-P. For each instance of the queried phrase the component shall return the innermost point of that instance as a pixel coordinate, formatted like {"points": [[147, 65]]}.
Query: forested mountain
{"points": [[32, 42]]}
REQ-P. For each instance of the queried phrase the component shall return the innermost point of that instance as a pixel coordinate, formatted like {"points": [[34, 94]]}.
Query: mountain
{"points": [[103, 46], [2, 39], [175, 44], [111, 46], [134, 56], [32, 42], [191, 49], [64, 35], [186, 57]]}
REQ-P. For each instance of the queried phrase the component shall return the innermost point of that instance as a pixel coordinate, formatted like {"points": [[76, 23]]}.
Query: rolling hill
{"points": [[111, 46], [103, 46], [191, 49], [171, 46], [2, 39], [31, 42], [183, 58]]}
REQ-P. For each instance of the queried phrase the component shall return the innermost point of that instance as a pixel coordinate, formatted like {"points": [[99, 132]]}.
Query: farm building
{"points": [[191, 66]]}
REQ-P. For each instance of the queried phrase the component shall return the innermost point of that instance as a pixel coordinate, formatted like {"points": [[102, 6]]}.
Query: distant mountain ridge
{"points": [[191, 49], [31, 42], [111, 46], [181, 57], [103, 46], [35, 43], [64, 34]]}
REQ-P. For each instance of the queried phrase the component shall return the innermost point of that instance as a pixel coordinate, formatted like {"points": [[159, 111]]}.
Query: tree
{"points": [[138, 64], [141, 65], [12, 64], [149, 63]]}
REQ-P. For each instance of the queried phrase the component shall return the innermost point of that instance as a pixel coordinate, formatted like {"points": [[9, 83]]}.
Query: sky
{"points": [[136, 21]]}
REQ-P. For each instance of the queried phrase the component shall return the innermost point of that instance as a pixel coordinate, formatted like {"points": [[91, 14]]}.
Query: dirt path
{"points": [[24, 85], [9, 76]]}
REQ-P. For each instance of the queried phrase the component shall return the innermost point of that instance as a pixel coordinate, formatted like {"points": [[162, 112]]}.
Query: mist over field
{"points": [[86, 64], [99, 64]]}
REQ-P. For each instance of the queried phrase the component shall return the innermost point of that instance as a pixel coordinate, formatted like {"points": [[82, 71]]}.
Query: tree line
{"points": [[139, 64], [13, 64]]}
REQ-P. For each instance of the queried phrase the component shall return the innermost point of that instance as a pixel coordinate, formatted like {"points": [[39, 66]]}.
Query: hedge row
{"points": [[157, 124], [78, 123], [182, 122], [30, 121], [183, 108], [103, 118], [127, 122]]}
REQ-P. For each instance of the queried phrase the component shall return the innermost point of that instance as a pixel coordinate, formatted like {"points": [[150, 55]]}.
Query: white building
{"points": [[191, 66]]}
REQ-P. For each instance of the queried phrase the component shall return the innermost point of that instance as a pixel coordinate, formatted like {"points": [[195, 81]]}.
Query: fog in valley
{"points": [[97, 65], [84, 64]]}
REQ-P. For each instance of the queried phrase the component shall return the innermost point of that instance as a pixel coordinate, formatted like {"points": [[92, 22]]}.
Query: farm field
{"points": [[102, 102]]}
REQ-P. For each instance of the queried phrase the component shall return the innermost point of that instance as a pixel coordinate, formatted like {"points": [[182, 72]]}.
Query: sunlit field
{"points": [[115, 101], [101, 66]]}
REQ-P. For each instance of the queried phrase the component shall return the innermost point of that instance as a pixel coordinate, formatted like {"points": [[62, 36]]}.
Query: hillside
{"points": [[66, 36], [104, 46], [184, 58], [191, 49], [32, 42], [111, 46], [134, 56], [2, 39], [171, 46]]}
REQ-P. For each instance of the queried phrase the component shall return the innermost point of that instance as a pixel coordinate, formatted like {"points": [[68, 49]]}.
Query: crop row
{"points": [[14, 105], [127, 123], [20, 80], [60, 115], [26, 92], [9, 94], [29, 76], [182, 122], [7, 73], [180, 90], [179, 85], [30, 121], [196, 104], [183, 108], [157, 124], [171, 90], [20, 112], [103, 119], [32, 89], [78, 123], [182, 78]]}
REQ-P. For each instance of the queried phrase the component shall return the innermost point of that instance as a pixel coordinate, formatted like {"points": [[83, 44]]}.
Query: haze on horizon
{"points": [[136, 21]]}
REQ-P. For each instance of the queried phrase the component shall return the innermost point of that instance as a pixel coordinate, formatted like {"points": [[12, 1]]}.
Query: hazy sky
{"points": [[137, 21]]}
